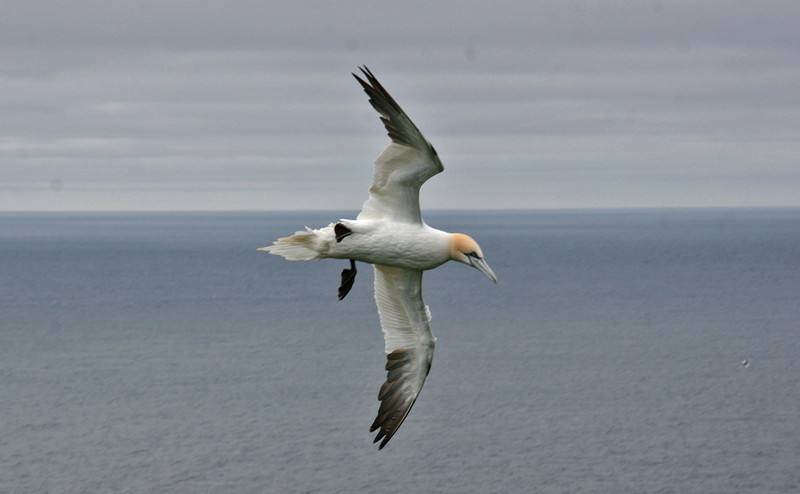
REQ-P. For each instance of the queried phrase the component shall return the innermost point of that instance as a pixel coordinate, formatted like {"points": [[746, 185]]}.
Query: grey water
{"points": [[160, 352]]}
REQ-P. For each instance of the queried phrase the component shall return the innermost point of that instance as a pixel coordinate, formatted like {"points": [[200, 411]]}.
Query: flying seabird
{"points": [[745, 364], [390, 234]]}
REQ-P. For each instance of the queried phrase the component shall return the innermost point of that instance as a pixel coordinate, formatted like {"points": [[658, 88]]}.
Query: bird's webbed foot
{"points": [[348, 277]]}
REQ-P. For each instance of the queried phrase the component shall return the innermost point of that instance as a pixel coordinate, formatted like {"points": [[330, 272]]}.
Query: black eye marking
{"points": [[474, 254]]}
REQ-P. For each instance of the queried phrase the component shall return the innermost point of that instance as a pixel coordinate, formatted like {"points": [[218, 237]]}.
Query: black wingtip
{"points": [[399, 127], [383, 436], [371, 84], [366, 72], [375, 89]]}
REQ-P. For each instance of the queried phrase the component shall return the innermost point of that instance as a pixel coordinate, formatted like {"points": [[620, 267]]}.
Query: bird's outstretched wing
{"points": [[403, 166], [409, 346]]}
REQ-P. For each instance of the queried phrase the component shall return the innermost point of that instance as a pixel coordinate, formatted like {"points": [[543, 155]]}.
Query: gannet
{"points": [[745, 364], [389, 233]]}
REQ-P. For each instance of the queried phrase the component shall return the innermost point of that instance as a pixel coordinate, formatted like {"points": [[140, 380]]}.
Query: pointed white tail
{"points": [[302, 246]]}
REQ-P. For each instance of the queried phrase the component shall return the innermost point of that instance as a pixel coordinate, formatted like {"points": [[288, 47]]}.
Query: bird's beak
{"points": [[484, 268]]}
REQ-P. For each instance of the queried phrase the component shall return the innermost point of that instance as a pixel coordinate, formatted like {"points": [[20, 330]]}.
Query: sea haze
{"points": [[163, 353]]}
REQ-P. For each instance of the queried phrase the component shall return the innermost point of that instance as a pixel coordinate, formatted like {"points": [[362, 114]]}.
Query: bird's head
{"points": [[464, 249]]}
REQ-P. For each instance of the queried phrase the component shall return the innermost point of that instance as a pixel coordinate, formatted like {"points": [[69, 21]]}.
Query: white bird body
{"points": [[389, 233], [401, 245]]}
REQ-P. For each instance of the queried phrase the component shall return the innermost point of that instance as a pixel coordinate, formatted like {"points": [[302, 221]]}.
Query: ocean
{"points": [[160, 352]]}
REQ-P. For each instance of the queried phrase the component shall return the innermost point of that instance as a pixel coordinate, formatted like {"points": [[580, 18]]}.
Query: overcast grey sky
{"points": [[170, 104]]}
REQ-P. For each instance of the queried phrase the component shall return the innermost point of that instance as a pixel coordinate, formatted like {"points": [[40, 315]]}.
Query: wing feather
{"points": [[409, 346], [403, 166]]}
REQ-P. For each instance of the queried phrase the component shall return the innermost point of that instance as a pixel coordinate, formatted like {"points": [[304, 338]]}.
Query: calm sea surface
{"points": [[163, 353]]}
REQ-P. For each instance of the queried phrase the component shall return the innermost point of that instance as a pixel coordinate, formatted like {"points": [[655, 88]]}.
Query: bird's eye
{"points": [[474, 254]]}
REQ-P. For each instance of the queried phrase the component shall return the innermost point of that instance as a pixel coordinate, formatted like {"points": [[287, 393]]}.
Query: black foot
{"points": [[348, 277]]}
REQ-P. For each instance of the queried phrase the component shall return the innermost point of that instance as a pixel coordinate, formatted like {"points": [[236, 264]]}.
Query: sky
{"points": [[250, 105]]}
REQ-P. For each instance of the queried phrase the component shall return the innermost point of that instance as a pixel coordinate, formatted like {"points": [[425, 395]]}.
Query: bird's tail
{"points": [[302, 246]]}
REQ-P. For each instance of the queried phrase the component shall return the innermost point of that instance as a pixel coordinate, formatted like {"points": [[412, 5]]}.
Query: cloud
{"points": [[530, 104], [317, 24]]}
